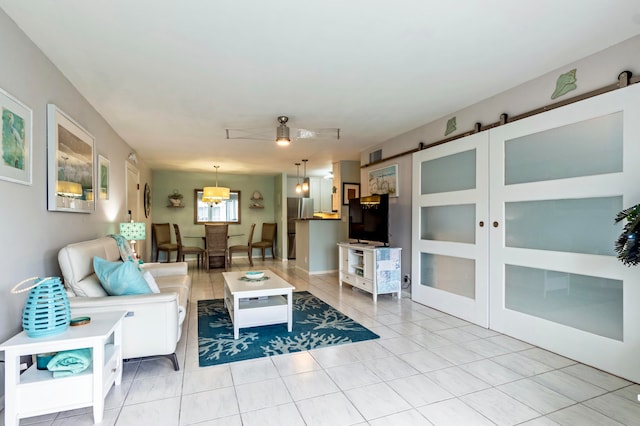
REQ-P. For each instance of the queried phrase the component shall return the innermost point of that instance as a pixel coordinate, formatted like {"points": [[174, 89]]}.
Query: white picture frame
{"points": [[104, 172], [384, 181], [70, 164], [15, 140]]}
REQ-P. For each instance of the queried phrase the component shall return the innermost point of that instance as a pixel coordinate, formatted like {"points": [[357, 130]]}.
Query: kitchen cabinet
{"points": [[315, 193], [320, 190], [336, 201], [326, 193]]}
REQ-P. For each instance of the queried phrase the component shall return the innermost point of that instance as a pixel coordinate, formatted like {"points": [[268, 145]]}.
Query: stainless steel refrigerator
{"points": [[297, 208]]}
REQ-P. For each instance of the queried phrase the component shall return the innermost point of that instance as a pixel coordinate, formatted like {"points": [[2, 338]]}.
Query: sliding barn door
{"points": [[450, 213], [557, 180]]}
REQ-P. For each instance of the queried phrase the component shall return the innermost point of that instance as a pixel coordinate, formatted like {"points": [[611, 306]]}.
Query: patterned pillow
{"points": [[126, 252]]}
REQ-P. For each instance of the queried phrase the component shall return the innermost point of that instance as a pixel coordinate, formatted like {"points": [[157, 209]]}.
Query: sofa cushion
{"points": [[89, 287], [180, 284], [120, 278], [76, 263]]}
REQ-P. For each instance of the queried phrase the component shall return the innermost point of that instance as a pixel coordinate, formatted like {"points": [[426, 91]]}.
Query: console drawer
{"points": [[349, 278], [364, 284]]}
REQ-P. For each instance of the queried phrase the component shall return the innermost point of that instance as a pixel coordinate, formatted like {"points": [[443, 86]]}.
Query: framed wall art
{"points": [[15, 140], [349, 191], [384, 181], [147, 200], [103, 177], [71, 164]]}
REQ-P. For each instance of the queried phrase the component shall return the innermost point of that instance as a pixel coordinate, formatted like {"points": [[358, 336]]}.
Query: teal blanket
{"points": [[68, 363]]}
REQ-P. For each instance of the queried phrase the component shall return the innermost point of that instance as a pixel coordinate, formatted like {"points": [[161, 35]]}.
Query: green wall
{"points": [[165, 182]]}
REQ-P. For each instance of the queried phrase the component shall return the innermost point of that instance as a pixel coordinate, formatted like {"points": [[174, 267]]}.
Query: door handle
{"points": [[495, 224], [481, 224]]}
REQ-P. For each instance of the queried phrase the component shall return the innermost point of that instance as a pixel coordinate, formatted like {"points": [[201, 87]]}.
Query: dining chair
{"points": [[215, 243], [184, 250], [161, 234], [267, 239], [244, 249]]}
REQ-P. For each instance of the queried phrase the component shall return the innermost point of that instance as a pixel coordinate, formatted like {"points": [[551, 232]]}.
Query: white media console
{"points": [[371, 268]]}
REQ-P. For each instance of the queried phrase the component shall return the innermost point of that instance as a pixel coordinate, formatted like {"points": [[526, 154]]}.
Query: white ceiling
{"points": [[169, 76]]}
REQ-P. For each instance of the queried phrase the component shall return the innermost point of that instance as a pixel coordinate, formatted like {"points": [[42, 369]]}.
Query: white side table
{"points": [[36, 392]]}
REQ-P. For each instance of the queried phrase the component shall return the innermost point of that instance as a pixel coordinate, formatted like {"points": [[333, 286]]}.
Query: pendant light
{"points": [[215, 194], [305, 182], [298, 187]]}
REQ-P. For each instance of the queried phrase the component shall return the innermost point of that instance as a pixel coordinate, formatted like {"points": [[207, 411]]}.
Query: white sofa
{"points": [[153, 324]]}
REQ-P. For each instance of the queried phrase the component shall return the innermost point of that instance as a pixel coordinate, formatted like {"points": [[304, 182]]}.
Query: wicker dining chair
{"points": [[215, 243]]}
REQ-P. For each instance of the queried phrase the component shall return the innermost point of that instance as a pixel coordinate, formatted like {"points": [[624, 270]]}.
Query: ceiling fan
{"points": [[283, 134]]}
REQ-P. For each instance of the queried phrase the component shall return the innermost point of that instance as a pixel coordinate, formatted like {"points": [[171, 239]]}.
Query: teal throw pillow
{"points": [[120, 278]]}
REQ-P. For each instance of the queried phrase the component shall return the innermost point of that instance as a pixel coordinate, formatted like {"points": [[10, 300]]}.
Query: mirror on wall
{"points": [[227, 211]]}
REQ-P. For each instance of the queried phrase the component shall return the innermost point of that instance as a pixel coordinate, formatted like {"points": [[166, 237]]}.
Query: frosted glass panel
{"points": [[451, 173], [584, 302], [449, 223], [453, 274], [577, 226], [587, 148]]}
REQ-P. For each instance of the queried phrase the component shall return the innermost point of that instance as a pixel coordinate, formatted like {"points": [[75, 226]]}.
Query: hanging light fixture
{"points": [[215, 194], [305, 182], [282, 131], [298, 187]]}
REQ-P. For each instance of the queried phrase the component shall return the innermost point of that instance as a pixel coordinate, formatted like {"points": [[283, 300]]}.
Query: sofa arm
{"points": [[151, 326], [165, 269], [122, 302]]}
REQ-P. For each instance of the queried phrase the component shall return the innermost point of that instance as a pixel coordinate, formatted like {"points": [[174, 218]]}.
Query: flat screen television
{"points": [[369, 218]]}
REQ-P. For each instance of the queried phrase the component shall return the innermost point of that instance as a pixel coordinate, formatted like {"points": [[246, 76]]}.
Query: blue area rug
{"points": [[315, 325]]}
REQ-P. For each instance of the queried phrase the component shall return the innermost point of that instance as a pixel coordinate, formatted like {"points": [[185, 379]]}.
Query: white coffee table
{"points": [[255, 303]]}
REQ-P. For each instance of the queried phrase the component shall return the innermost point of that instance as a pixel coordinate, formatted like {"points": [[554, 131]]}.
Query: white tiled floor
{"points": [[428, 368]]}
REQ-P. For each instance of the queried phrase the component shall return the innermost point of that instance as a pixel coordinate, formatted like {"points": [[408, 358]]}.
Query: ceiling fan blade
{"points": [[326, 133], [259, 134], [269, 133]]}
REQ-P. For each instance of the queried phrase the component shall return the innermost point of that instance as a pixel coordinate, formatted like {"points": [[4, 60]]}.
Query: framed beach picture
{"points": [[384, 181], [349, 191], [103, 177], [15, 143], [70, 164]]}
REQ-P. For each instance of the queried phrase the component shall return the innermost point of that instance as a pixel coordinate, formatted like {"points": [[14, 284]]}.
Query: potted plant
{"points": [[175, 198], [627, 245]]}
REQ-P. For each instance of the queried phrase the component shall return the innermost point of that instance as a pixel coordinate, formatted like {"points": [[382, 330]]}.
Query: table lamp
{"points": [[133, 231]]}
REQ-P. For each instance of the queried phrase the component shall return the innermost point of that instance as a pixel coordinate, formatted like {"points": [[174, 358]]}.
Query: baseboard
{"points": [[328, 271], [302, 269]]}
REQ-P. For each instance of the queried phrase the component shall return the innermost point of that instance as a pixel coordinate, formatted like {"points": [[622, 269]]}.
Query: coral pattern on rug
{"points": [[315, 325]]}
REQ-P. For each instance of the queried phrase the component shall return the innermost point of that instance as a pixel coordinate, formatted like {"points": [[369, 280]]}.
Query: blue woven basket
{"points": [[46, 311]]}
